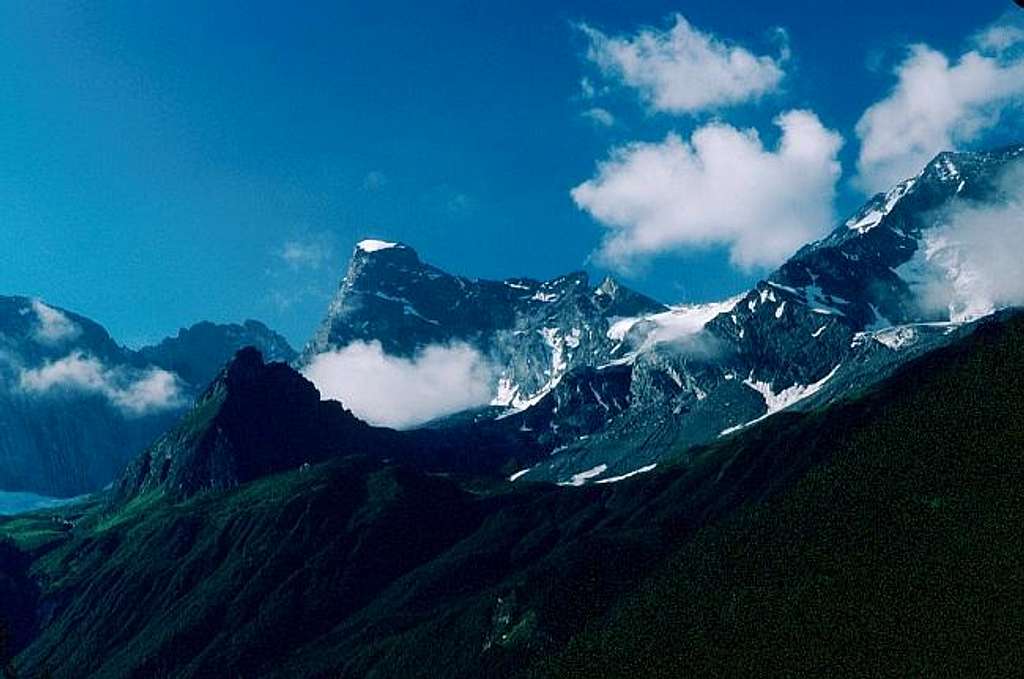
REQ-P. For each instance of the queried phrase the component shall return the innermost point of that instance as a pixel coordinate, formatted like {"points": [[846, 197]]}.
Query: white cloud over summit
{"points": [[683, 69], [720, 188], [939, 104], [403, 392]]}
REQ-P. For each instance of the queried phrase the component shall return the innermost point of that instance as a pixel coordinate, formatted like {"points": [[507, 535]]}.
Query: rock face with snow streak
{"points": [[534, 332], [841, 314], [610, 380]]}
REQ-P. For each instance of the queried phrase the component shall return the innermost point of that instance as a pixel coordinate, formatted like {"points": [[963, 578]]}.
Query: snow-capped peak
{"points": [[869, 219], [374, 245]]}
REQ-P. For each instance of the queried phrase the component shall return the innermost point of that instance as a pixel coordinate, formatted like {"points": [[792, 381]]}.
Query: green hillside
{"points": [[881, 536]]}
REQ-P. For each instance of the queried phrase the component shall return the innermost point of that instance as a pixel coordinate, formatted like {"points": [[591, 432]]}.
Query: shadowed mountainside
{"points": [[881, 534]]}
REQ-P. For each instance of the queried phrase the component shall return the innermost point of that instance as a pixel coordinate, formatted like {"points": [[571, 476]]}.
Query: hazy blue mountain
{"points": [[197, 353], [75, 406]]}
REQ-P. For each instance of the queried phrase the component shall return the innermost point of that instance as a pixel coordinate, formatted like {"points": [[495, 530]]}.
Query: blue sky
{"points": [[163, 163]]}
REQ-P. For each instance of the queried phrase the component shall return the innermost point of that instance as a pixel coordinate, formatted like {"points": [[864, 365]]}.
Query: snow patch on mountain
{"points": [[374, 245], [776, 402], [582, 477], [868, 219], [679, 321], [616, 479]]}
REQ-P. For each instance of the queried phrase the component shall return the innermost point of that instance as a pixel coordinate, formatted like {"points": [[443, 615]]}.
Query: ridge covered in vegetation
{"points": [[882, 534]]}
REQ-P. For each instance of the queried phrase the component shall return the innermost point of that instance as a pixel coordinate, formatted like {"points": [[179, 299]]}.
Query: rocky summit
{"points": [[615, 380]]}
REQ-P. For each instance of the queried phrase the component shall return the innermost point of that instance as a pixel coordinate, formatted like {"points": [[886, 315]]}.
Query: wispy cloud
{"points": [[403, 392], [53, 326], [683, 69], [939, 104], [308, 252], [134, 392], [599, 116], [722, 187]]}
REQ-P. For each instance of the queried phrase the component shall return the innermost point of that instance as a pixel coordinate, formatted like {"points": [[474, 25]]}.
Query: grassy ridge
{"points": [[882, 535]]}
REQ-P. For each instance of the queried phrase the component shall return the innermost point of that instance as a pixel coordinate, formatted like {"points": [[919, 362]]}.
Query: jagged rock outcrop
{"points": [[533, 331], [253, 420]]}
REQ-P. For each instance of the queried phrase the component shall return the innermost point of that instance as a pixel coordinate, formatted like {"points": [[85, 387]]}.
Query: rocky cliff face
{"points": [[534, 332]]}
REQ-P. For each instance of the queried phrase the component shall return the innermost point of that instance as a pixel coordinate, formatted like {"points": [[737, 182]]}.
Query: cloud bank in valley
{"points": [[134, 392], [403, 392], [720, 188]]}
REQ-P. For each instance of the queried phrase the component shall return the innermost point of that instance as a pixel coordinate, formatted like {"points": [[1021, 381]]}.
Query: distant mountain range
{"points": [[75, 406]]}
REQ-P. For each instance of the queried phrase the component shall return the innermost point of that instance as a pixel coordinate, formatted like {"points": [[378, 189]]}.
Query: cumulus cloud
{"points": [[403, 392], [723, 187], [684, 70], [308, 252], [134, 392], [969, 266], [938, 104], [53, 326]]}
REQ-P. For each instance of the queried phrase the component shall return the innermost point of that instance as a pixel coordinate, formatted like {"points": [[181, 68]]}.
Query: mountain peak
{"points": [[377, 248], [244, 366], [254, 419]]}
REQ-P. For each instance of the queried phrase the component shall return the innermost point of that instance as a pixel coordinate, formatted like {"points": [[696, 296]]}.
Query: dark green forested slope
{"points": [[882, 536], [902, 557]]}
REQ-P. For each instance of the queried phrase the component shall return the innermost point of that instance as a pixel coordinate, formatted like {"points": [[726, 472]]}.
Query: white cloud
{"points": [[939, 105], [970, 265], [684, 70], [403, 392], [599, 116], [310, 252], [53, 325], [720, 188], [134, 392]]}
